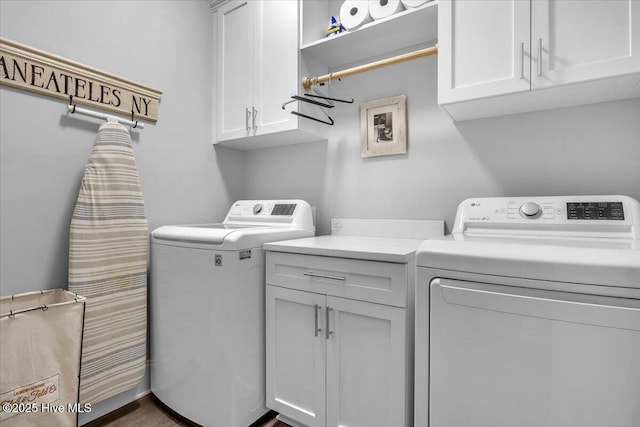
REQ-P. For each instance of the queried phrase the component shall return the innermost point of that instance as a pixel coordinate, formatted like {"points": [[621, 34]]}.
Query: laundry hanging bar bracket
{"points": [[319, 95], [74, 109], [308, 82]]}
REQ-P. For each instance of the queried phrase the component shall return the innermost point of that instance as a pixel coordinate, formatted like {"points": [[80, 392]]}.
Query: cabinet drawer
{"points": [[374, 281]]}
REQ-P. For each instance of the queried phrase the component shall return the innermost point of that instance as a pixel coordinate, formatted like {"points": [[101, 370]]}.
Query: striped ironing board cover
{"points": [[108, 247]]}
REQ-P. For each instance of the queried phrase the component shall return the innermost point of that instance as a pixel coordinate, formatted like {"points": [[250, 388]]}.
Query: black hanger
{"points": [[330, 122], [314, 102], [310, 101], [347, 100]]}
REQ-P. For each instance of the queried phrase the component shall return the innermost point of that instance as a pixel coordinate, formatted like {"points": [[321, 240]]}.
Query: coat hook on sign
{"points": [[294, 98], [135, 122], [74, 109]]}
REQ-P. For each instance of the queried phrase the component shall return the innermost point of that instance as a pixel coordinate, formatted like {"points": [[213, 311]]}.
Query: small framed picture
{"points": [[383, 127]]}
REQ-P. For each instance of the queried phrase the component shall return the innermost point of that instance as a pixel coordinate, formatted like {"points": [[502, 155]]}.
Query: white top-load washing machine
{"points": [[207, 310], [529, 315]]}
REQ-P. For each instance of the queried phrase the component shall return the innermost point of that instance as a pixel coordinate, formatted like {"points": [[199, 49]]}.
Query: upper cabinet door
{"points": [[235, 69], [484, 49], [573, 41], [276, 70]]}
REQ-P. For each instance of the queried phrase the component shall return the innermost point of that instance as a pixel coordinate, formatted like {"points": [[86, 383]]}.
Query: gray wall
{"points": [[164, 44], [168, 44], [581, 150]]}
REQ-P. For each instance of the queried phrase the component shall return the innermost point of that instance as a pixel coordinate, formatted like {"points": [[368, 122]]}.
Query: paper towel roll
{"points": [[379, 9], [354, 13], [414, 3]]}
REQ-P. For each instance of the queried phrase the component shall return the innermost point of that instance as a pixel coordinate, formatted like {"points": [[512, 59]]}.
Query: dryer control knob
{"points": [[530, 210], [257, 208]]}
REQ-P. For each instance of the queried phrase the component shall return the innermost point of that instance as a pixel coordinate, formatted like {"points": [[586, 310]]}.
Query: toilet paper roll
{"points": [[354, 13], [379, 9], [414, 3]]}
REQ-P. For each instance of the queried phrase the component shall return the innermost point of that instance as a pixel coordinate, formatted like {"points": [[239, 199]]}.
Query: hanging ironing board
{"points": [[108, 246]]}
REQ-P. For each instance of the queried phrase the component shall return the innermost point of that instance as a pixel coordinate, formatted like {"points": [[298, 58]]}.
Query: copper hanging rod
{"points": [[307, 82]]}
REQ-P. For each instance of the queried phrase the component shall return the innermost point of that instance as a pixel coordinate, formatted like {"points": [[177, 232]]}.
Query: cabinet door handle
{"points": [[317, 309], [539, 57], [521, 60], [328, 330], [246, 118], [253, 123], [324, 276]]}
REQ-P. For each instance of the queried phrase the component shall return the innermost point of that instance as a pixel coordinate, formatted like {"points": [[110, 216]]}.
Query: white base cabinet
{"points": [[366, 364], [335, 361], [507, 56], [295, 354]]}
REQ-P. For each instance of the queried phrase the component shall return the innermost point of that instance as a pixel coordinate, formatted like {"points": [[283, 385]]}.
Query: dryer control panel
{"points": [[608, 211], [584, 216]]}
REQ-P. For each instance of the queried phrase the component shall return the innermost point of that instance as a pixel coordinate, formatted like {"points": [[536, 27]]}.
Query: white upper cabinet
{"points": [[481, 49], [574, 41], [235, 69], [507, 56], [257, 68], [276, 64]]}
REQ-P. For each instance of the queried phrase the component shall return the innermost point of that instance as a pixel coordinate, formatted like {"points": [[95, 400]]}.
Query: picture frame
{"points": [[383, 127]]}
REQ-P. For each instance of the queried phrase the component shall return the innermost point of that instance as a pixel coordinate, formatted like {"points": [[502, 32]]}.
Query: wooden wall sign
{"points": [[26, 68]]}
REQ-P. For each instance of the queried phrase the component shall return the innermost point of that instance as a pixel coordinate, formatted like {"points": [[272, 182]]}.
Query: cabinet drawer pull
{"points": [[317, 330], [246, 118], [328, 330], [324, 276], [539, 57]]}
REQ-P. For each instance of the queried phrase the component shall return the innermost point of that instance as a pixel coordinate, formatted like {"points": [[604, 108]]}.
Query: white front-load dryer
{"points": [[207, 311], [528, 315]]}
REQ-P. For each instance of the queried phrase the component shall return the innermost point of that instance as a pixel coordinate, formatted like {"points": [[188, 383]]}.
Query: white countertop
{"points": [[356, 247]]}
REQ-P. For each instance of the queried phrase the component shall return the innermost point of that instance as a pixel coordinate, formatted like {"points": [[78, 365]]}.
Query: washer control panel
{"points": [[265, 208], [599, 215], [293, 213]]}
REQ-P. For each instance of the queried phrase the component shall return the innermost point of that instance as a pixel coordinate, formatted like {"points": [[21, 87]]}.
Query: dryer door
{"points": [[504, 356]]}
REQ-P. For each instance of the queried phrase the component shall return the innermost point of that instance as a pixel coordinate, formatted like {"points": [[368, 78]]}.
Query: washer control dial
{"points": [[257, 208], [530, 210]]}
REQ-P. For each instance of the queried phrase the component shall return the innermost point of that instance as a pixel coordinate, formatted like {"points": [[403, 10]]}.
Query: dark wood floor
{"points": [[150, 412]]}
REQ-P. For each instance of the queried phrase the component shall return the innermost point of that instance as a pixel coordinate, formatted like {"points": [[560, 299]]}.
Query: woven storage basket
{"points": [[40, 348]]}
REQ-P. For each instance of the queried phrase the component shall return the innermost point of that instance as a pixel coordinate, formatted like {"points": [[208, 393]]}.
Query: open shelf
{"points": [[407, 28]]}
